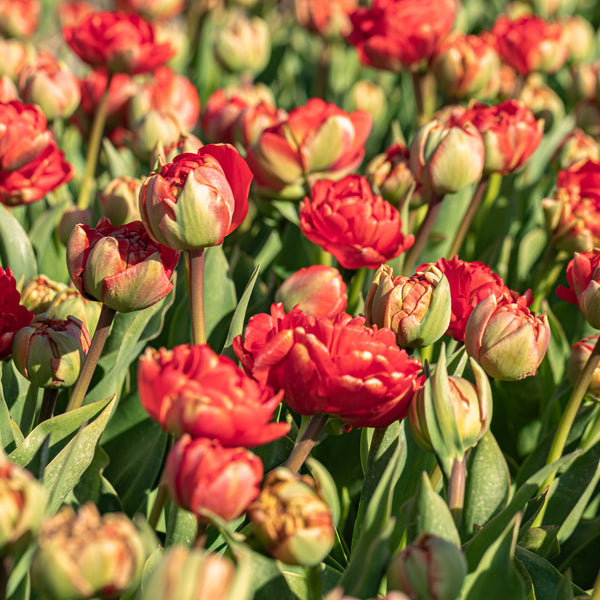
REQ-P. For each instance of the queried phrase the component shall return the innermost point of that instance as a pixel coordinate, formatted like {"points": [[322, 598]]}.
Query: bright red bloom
{"points": [[202, 476], [470, 283], [359, 228], [119, 42], [573, 214], [122, 267], [510, 133], [317, 140], [342, 368], [19, 18], [583, 277], [198, 199], [531, 44], [193, 390], [13, 315], [31, 165], [394, 34]]}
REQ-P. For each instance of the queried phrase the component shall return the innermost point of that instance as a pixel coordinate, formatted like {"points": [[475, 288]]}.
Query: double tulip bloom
{"points": [[198, 199], [358, 227], [13, 315]]}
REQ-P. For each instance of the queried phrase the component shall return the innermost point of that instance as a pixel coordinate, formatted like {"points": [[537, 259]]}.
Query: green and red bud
{"points": [[71, 302], [417, 309], [431, 568], [120, 200], [318, 290], [86, 555], [154, 127], [580, 353], [22, 506], [507, 340], [50, 352], [38, 293], [580, 38], [446, 157], [291, 520]]}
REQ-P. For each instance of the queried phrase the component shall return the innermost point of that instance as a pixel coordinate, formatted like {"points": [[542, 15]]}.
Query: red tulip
{"points": [[19, 18], [120, 266], [13, 315], [195, 391], [203, 476], [119, 42], [359, 228], [198, 199], [328, 18]]}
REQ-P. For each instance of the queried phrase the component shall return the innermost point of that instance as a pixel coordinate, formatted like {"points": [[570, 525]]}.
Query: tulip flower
{"points": [[580, 353], [507, 339], [204, 477], [575, 147], [13, 315], [19, 18], [38, 293], [120, 200], [327, 18]]}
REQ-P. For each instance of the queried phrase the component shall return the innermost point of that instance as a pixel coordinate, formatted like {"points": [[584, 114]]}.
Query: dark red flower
{"points": [[13, 315]]}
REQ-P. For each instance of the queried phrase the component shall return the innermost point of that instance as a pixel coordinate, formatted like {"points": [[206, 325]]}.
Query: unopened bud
{"points": [[38, 293]]}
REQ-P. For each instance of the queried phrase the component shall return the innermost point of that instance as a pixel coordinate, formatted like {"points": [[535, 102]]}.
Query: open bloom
{"points": [[342, 368], [122, 43], [196, 391], [507, 340], [531, 44], [358, 227], [120, 266], [394, 34], [317, 140], [202, 475], [198, 199], [19, 18], [31, 165], [13, 315]]}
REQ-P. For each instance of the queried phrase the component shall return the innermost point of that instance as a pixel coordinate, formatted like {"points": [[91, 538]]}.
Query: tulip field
{"points": [[299, 300]]}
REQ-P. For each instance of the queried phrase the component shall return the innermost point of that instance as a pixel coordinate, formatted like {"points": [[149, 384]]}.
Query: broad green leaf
{"points": [[564, 590], [7, 438], [63, 473], [496, 576], [15, 388], [327, 487], [219, 291], [16, 251], [298, 582], [287, 210], [59, 428], [541, 540], [427, 512], [545, 577], [237, 321], [181, 526], [120, 162], [18, 585], [488, 484]]}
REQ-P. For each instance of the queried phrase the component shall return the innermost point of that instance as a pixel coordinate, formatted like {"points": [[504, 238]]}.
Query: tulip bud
{"points": [[8, 90], [449, 415], [587, 117], [580, 352], [22, 505], [447, 158], [319, 290], [120, 200], [184, 574], [417, 309], [580, 38], [86, 555], [154, 127], [71, 302], [542, 101], [507, 340], [185, 143], [38, 293], [576, 146], [244, 44], [71, 217], [390, 173], [14, 56], [368, 96], [49, 352], [431, 568], [291, 520]]}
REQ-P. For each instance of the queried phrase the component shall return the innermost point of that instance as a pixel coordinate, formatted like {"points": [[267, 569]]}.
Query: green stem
{"points": [[29, 408], [435, 476], [322, 75], [491, 193], [105, 320], [355, 289], [592, 432], [160, 500], [417, 82], [567, 419], [456, 489], [196, 265], [93, 149], [468, 218], [48, 404], [313, 578], [548, 272], [306, 442], [200, 539], [422, 234]]}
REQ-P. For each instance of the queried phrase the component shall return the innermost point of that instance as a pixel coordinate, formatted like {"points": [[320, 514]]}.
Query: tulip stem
{"points": [[196, 265], [423, 233], [566, 421], [105, 320], [93, 150], [200, 539], [355, 289], [162, 494], [48, 404], [306, 442], [456, 489], [313, 578], [548, 272], [463, 228], [322, 76]]}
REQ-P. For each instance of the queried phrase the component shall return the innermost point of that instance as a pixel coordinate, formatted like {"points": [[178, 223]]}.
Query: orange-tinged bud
{"points": [[580, 352]]}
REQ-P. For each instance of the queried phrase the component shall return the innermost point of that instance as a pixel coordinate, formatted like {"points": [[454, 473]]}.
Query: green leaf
{"points": [[488, 484], [327, 488], [372, 550], [541, 540], [544, 576], [181, 526], [120, 162], [16, 251], [287, 210], [7, 438], [58, 428], [237, 321], [63, 473], [496, 576], [564, 590]]}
